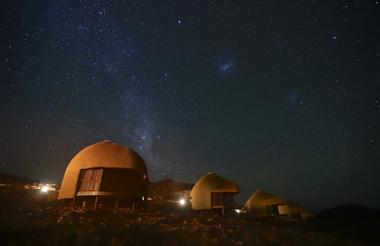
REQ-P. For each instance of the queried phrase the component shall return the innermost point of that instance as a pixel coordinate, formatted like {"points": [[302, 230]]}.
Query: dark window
{"points": [[121, 180], [90, 179], [272, 209], [224, 199]]}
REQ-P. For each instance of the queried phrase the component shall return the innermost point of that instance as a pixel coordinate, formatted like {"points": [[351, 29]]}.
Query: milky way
{"points": [[279, 96]]}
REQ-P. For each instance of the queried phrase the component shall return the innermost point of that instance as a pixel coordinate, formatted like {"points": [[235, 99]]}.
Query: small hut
{"points": [[263, 204], [294, 212], [213, 192], [105, 174]]}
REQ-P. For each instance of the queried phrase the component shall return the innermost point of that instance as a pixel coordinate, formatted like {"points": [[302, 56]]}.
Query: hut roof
{"points": [[215, 183]]}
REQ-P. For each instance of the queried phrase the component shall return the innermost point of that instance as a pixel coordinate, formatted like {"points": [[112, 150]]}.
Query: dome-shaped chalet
{"points": [[102, 167], [263, 204], [213, 191]]}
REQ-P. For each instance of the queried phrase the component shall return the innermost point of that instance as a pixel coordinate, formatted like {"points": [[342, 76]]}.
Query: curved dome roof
{"points": [[103, 154], [262, 198], [213, 182], [260, 194]]}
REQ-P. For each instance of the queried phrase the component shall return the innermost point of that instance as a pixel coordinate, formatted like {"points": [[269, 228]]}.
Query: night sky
{"points": [[278, 95]]}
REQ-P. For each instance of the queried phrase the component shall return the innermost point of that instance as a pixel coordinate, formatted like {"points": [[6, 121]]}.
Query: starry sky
{"points": [[278, 95]]}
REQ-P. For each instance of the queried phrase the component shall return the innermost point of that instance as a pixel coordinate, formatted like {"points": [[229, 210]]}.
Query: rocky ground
{"points": [[30, 217], [48, 223]]}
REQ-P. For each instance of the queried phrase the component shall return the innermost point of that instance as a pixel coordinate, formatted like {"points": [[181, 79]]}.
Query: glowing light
{"points": [[238, 211], [45, 188], [182, 202]]}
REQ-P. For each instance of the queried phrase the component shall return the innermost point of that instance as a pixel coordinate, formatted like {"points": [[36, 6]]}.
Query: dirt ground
{"points": [[49, 223]]}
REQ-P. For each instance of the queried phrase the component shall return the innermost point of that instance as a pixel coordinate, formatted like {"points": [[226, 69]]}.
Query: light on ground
{"points": [[44, 188], [182, 202]]}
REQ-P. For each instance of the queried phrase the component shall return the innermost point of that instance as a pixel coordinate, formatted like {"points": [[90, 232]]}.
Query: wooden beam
{"points": [[116, 204], [96, 202]]}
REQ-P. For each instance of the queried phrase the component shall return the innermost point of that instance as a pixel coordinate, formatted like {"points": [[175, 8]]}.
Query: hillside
{"points": [[35, 218], [11, 179], [169, 189]]}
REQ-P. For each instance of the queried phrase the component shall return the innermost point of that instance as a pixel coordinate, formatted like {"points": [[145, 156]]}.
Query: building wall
{"points": [[257, 207], [201, 199]]}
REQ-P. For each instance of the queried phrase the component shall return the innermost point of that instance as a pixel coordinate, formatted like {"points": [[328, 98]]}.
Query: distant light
{"points": [[179, 21], [182, 202], [45, 188], [238, 211]]}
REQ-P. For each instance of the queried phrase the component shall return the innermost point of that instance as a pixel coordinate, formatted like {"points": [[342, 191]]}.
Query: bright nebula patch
{"points": [[225, 67]]}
